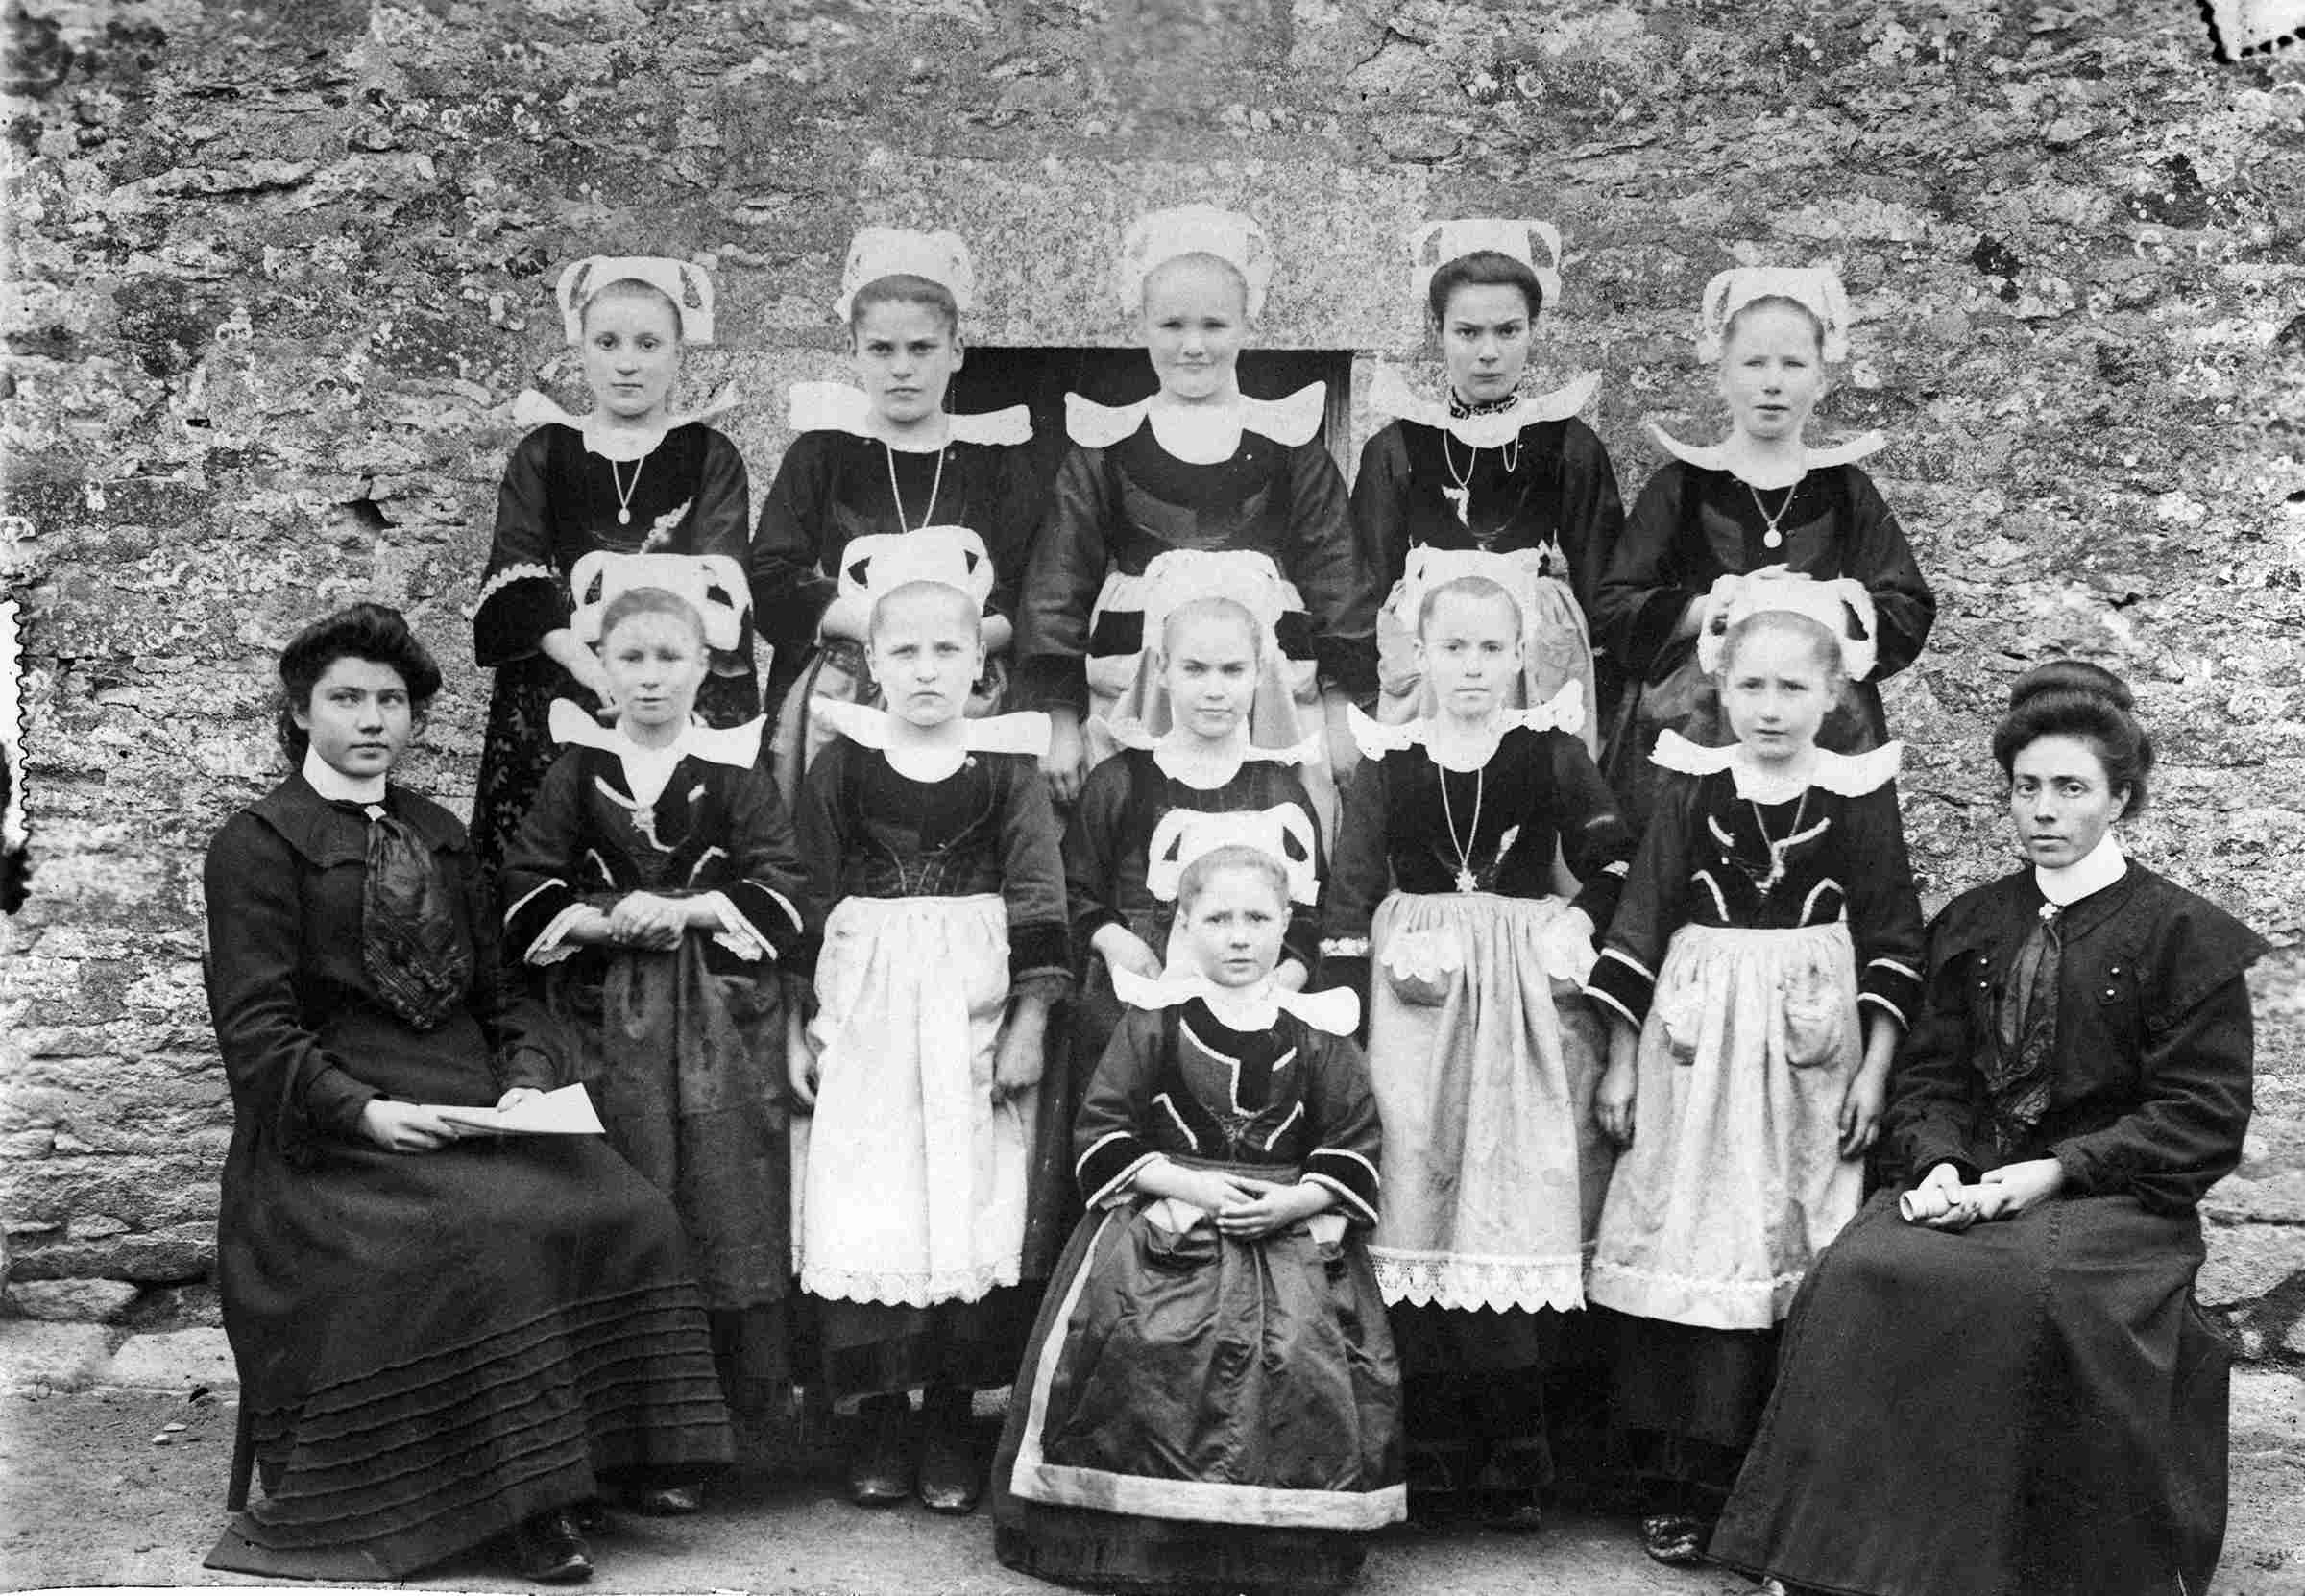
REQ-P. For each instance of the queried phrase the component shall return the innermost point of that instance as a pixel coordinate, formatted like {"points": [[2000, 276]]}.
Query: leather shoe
{"points": [[668, 1501], [880, 1473], [1676, 1539], [549, 1550], [951, 1475]]}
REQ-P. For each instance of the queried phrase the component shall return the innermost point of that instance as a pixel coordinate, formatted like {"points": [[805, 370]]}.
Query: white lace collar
{"points": [[1023, 731], [1180, 757], [1200, 434], [1335, 1011], [838, 407], [2092, 873], [1389, 395], [1563, 712], [334, 784], [1844, 775], [736, 747], [1813, 457], [532, 410]]}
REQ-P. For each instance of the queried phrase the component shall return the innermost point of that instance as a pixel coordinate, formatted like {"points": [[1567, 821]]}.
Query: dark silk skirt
{"points": [[2035, 1405], [1195, 1412]]}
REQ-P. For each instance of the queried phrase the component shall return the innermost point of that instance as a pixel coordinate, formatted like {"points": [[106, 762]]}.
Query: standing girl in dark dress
{"points": [[1761, 965], [1199, 468], [1487, 467], [931, 836], [886, 460], [654, 889], [1762, 498], [1444, 909], [2000, 1380], [1209, 1401], [631, 477], [440, 1339]]}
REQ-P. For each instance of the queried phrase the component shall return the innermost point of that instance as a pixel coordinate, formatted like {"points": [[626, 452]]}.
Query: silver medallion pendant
{"points": [[1467, 882], [625, 519]]}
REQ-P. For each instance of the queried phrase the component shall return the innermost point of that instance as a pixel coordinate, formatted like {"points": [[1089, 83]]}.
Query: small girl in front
{"points": [[1198, 468], [1763, 496], [1209, 1400], [1485, 1056], [885, 459], [654, 887], [1760, 969], [932, 836]]}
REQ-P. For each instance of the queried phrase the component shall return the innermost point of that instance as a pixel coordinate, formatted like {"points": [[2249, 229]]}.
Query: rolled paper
{"points": [[1913, 1213]]}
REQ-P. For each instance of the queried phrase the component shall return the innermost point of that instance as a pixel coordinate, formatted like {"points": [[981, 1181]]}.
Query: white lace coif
{"points": [[1436, 244], [876, 253], [1842, 606], [686, 284], [712, 583], [1162, 236], [1817, 289]]}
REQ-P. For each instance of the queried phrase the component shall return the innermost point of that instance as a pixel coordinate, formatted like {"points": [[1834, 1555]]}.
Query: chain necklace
{"points": [[1467, 881], [927, 516], [1776, 847], [624, 493], [1772, 538], [1460, 497]]}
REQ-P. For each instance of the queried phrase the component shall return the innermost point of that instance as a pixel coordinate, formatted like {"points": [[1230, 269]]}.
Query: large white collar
{"points": [[1184, 758], [838, 407], [1844, 775], [335, 785], [736, 747], [1200, 434], [1389, 395], [1813, 457], [1564, 711], [1335, 1011], [2092, 873], [530, 408], [1023, 731]]}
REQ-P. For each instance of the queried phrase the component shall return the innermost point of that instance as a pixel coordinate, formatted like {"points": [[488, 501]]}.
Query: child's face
{"points": [[1234, 927], [631, 355], [1210, 672], [1772, 374], [1471, 649], [656, 662], [359, 717], [1194, 323], [1777, 692], [906, 356], [2061, 801], [926, 652], [1485, 340]]}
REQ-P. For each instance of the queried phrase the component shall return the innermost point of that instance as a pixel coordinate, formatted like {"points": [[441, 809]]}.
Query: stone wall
{"points": [[278, 271]]}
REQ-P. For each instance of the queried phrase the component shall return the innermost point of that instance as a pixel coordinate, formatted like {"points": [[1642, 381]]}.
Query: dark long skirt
{"points": [[2035, 1405], [1197, 1413], [434, 1347]]}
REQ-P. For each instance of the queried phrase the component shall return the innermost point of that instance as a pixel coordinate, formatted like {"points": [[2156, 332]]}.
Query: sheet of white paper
{"points": [[566, 1112]]}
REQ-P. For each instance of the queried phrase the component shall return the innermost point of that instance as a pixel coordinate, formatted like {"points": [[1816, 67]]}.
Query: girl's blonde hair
{"points": [[649, 601], [1212, 607], [1479, 588], [1824, 647], [1195, 878]]}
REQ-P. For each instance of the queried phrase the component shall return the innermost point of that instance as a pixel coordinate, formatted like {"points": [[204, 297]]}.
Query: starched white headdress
{"points": [[877, 565], [712, 583], [1842, 606], [1154, 239], [1815, 288], [687, 286], [878, 252], [1283, 832], [1435, 244]]}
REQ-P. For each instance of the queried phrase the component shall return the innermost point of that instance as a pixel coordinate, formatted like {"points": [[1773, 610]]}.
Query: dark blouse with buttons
{"points": [[1707, 860], [868, 831], [1182, 1083], [2150, 1078]]}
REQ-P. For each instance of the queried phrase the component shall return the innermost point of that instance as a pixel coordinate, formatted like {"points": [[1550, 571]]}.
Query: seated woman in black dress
{"points": [[1997, 1378], [441, 1339]]}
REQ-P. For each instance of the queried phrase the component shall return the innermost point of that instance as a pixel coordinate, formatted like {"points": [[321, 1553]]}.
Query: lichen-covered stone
{"points": [[274, 274], [96, 1301]]}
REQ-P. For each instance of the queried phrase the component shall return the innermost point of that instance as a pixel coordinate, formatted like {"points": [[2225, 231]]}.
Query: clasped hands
{"points": [[414, 1127], [1240, 1205], [1942, 1203]]}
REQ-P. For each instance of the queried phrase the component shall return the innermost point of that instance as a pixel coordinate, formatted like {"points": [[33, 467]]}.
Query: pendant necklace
{"points": [[1467, 881], [1776, 848], [624, 493], [927, 516], [1772, 538]]}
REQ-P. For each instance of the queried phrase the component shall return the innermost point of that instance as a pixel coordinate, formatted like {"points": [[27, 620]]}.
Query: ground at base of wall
{"points": [[90, 1495]]}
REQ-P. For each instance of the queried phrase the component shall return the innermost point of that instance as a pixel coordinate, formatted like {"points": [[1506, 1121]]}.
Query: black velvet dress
{"points": [[2035, 1404], [433, 1347]]}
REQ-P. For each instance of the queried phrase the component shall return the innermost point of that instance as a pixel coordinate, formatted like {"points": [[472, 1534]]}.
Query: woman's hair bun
{"points": [[2072, 676]]}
